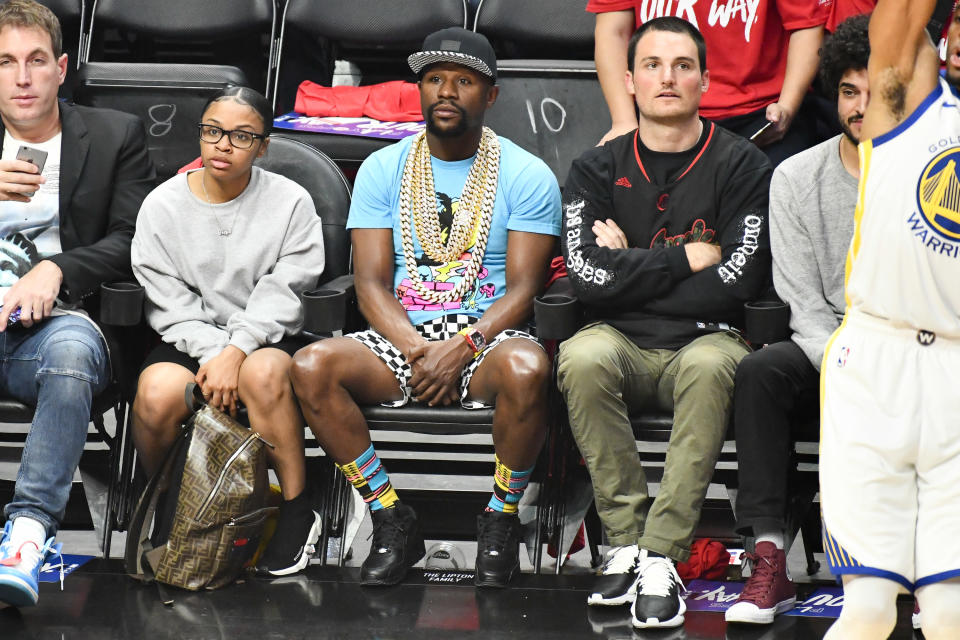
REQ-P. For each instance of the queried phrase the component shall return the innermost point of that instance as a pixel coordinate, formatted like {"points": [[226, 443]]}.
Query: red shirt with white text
{"points": [[747, 43]]}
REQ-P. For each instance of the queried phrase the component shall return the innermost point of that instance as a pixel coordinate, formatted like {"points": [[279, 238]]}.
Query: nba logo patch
{"points": [[842, 358]]}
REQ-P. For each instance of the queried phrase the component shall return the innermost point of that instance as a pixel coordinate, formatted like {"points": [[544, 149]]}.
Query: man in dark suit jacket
{"points": [[71, 183]]}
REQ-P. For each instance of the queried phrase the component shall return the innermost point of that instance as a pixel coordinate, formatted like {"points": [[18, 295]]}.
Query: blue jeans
{"points": [[57, 366]]}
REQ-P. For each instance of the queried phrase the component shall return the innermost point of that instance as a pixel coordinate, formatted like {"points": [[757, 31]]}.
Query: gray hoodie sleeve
{"points": [[796, 274], [172, 308], [273, 309]]}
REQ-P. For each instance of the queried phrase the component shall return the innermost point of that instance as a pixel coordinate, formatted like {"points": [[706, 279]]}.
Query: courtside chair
{"points": [[550, 101], [371, 38], [319, 175], [168, 93], [651, 431], [413, 441], [330, 191]]}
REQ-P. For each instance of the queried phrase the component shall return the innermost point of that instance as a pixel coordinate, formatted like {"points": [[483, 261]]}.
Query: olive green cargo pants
{"points": [[604, 377]]}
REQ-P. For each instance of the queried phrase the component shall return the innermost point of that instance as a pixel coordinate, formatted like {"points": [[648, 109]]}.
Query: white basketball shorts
{"points": [[890, 452]]}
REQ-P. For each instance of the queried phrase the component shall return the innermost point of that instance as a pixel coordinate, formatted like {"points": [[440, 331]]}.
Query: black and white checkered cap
{"points": [[459, 46]]}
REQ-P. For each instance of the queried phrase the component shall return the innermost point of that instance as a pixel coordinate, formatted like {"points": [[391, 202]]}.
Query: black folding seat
{"points": [[235, 32], [376, 42], [167, 91], [550, 100]]}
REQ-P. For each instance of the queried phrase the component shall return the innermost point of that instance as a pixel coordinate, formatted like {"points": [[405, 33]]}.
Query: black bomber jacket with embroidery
{"points": [[648, 291]]}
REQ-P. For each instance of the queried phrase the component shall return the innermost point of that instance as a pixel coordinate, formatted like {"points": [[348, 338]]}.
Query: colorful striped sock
{"points": [[367, 474], [508, 488]]}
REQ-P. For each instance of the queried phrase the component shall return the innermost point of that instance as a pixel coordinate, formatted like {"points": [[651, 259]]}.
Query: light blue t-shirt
{"points": [[528, 199]]}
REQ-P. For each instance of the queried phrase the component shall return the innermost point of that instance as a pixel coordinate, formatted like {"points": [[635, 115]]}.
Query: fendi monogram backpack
{"points": [[213, 487]]}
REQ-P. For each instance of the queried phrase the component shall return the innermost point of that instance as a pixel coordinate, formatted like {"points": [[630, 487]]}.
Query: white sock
{"points": [[773, 535], [26, 530]]}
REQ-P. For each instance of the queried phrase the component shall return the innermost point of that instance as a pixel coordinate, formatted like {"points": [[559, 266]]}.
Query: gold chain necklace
{"points": [[216, 218], [472, 219]]}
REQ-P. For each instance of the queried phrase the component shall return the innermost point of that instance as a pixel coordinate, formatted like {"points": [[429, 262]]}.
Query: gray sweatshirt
{"points": [[812, 202], [206, 290]]}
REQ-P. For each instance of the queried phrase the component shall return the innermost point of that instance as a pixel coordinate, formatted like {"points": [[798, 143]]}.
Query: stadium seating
{"points": [[240, 33], [132, 57], [168, 98], [157, 79], [318, 174], [376, 41], [550, 101]]}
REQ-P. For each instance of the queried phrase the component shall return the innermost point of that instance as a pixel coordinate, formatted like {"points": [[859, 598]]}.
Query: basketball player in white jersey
{"points": [[890, 441]]}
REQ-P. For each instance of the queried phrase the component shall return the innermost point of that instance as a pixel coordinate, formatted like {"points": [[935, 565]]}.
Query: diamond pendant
{"points": [[224, 233]]}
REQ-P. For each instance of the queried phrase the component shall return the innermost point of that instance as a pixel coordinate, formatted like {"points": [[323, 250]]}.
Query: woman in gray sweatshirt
{"points": [[223, 253]]}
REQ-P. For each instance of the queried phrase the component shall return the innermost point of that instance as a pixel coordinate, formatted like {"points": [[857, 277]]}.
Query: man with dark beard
{"points": [[452, 231], [812, 200]]}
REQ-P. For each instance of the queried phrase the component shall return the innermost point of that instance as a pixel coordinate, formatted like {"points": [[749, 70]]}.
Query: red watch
{"points": [[475, 339]]}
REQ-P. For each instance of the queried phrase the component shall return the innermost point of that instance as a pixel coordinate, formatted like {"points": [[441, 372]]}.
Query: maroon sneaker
{"points": [[768, 591]]}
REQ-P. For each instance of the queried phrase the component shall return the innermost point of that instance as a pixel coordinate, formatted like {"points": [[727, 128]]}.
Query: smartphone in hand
{"points": [[751, 138], [37, 157]]}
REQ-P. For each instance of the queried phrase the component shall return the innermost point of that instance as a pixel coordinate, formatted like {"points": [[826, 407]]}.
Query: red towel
{"points": [[558, 269], [395, 101], [708, 559]]}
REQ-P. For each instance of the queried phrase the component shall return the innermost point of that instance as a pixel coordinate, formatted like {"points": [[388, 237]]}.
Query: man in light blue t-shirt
{"points": [[453, 231]]}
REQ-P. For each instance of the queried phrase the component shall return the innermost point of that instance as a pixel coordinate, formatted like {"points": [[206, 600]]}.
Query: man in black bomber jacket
{"points": [[665, 237]]}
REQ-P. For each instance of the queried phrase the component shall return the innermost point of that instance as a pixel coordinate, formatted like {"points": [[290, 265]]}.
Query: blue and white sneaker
{"points": [[19, 578]]}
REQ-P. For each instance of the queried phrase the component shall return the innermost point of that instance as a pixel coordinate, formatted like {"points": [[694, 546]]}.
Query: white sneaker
{"points": [[658, 602], [616, 581]]}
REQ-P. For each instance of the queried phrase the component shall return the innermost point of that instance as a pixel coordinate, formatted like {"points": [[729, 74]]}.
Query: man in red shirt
{"points": [[843, 9], [764, 57]]}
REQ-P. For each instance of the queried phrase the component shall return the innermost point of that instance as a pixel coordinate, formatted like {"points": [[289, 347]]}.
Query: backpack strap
{"points": [[193, 396], [140, 557], [139, 560]]}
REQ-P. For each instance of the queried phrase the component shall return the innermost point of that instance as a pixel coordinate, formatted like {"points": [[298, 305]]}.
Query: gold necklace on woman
{"points": [[472, 219]]}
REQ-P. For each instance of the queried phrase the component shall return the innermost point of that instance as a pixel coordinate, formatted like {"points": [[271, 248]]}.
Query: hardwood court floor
{"points": [[100, 602]]}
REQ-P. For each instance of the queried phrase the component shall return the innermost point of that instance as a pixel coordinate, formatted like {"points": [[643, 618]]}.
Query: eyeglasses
{"points": [[238, 137]]}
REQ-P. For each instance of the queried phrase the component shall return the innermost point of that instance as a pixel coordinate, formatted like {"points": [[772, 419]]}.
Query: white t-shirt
{"points": [[30, 231]]}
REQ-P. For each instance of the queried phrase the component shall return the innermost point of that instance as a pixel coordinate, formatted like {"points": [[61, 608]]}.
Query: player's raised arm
{"points": [[903, 64]]}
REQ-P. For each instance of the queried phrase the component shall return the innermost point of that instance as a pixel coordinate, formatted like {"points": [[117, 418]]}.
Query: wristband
{"points": [[475, 339]]}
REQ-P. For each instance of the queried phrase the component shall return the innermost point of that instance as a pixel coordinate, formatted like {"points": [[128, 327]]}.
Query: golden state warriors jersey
{"points": [[904, 260]]}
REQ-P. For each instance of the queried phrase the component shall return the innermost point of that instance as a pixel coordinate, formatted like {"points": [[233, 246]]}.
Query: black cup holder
{"points": [[558, 316], [766, 321], [324, 310], [121, 303]]}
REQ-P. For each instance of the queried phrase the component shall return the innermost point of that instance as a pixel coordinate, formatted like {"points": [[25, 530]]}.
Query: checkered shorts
{"points": [[437, 329]]}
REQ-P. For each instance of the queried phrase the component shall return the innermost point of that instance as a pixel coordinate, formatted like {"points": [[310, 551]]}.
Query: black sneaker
{"points": [[658, 602], [616, 581], [397, 545], [293, 542], [498, 543]]}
